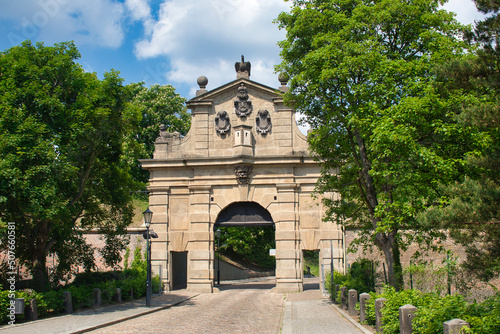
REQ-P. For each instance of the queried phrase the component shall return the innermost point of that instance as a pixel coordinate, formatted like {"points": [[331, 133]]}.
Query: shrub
{"points": [[436, 310], [4, 304], [394, 300], [370, 309], [485, 317], [81, 296], [50, 302], [96, 277]]}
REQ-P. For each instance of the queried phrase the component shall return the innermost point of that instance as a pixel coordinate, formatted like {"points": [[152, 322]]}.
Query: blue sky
{"points": [[163, 41]]}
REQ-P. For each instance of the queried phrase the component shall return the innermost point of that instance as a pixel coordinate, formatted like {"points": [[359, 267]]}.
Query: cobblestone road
{"points": [[239, 308]]}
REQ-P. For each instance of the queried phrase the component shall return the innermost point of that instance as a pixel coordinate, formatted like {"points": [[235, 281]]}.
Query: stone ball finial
{"points": [[202, 82], [283, 78]]}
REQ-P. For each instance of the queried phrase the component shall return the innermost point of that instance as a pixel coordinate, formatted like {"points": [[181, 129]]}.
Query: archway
{"points": [[244, 214], [246, 234]]}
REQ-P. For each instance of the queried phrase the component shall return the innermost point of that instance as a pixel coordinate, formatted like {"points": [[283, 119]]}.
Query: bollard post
{"points": [[131, 293], [363, 299], [406, 315], [353, 299], [19, 305], [343, 297], [32, 310], [455, 326], [379, 304], [118, 295], [68, 304], [96, 295]]}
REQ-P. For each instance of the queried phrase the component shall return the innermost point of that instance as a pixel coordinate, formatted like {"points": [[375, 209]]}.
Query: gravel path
{"points": [[238, 308]]}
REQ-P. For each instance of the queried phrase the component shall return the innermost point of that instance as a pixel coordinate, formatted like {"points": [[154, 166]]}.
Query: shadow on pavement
{"points": [[266, 284]]}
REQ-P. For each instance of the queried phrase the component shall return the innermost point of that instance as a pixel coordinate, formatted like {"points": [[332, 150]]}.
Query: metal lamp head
{"points": [[148, 216], [217, 233]]}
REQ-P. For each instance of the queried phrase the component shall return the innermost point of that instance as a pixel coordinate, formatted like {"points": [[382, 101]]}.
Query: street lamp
{"points": [[218, 255], [148, 215]]}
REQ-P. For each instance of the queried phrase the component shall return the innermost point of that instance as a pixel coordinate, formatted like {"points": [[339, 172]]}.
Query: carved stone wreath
{"points": [[263, 122], [242, 173], [242, 106], [222, 123]]}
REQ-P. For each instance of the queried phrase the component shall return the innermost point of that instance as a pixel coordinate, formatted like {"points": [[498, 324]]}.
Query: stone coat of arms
{"points": [[222, 123], [243, 106], [263, 122]]}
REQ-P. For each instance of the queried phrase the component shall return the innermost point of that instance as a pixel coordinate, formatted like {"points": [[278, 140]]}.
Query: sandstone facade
{"points": [[243, 147]]}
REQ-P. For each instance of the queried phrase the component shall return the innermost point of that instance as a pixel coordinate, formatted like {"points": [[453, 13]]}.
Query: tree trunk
{"points": [[389, 246], [39, 271]]}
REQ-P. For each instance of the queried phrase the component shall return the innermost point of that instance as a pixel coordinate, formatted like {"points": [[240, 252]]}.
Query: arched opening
{"points": [[244, 236], [244, 214]]}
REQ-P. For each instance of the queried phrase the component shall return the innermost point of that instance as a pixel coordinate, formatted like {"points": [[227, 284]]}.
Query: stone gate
{"points": [[243, 162]]}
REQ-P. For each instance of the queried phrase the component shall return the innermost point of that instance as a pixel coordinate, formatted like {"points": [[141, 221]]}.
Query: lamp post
{"points": [[218, 255], [148, 215]]}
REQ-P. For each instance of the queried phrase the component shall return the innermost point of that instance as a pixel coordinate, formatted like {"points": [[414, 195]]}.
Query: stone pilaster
{"points": [[158, 203], [200, 250], [289, 275]]}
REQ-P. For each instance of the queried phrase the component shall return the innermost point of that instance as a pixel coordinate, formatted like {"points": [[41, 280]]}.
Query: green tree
{"points": [[469, 206], [158, 105], [250, 244], [363, 74], [62, 169]]}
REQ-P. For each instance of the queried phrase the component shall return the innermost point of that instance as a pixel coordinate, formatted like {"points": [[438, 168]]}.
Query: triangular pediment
{"points": [[230, 86]]}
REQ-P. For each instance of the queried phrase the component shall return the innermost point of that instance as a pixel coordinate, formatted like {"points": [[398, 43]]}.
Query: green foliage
{"points": [[81, 296], [250, 244], [158, 105], [62, 162], [82, 288], [360, 277], [485, 317], [138, 262], [370, 309], [395, 299], [363, 74], [95, 277], [50, 302], [339, 279], [311, 260], [433, 310], [437, 310], [469, 206]]}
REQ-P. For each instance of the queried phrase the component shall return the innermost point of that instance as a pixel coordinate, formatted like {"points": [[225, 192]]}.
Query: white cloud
{"points": [[139, 10], [466, 11], [207, 37], [94, 22]]}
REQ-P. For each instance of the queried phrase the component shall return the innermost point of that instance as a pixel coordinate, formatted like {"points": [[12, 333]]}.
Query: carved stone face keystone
{"points": [[242, 173]]}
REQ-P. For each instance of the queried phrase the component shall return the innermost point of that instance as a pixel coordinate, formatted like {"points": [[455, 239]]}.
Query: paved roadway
{"points": [[245, 307], [241, 307]]}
